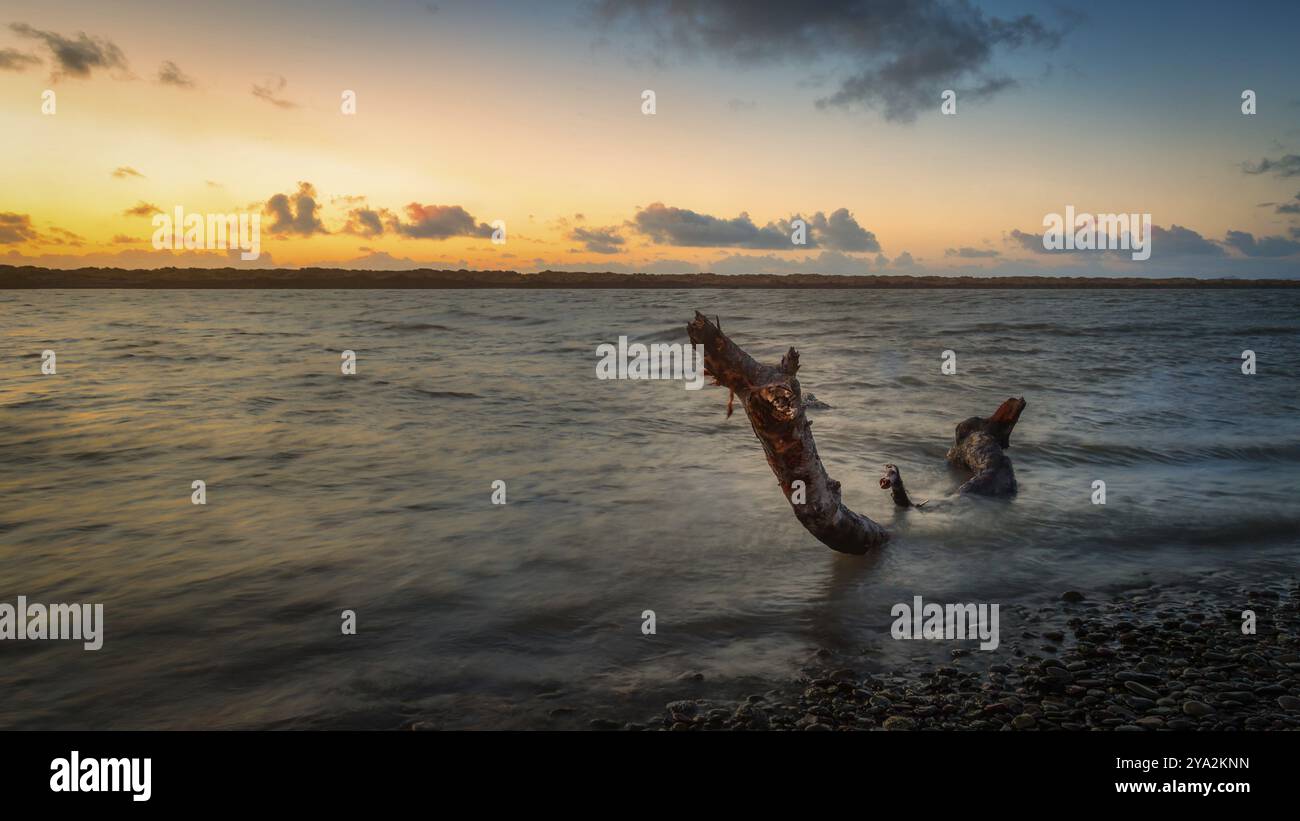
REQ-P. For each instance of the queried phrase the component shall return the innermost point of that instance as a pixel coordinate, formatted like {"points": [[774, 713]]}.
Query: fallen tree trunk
{"points": [[772, 400]]}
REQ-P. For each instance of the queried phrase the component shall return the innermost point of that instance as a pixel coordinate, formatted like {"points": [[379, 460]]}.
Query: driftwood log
{"points": [[773, 401], [981, 446]]}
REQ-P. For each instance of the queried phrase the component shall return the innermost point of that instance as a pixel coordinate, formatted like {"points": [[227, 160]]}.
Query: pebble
{"points": [[1131, 664], [1141, 690]]}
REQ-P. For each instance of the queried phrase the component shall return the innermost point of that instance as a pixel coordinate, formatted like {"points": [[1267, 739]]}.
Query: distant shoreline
{"points": [[30, 277]]}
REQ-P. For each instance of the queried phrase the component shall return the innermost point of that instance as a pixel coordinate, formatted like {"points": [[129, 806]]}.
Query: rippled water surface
{"points": [[372, 492]]}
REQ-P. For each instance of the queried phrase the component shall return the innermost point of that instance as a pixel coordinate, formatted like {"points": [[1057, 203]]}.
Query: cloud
{"points": [[438, 222], [75, 57], [124, 171], [1287, 165], [1272, 247], [12, 59], [827, 262], [898, 55], [295, 213], [142, 258], [666, 225], [62, 236], [366, 222], [17, 228], [142, 209], [1177, 241], [1174, 241], [124, 239], [1292, 207], [169, 74], [966, 252], [841, 232], [599, 240], [271, 93]]}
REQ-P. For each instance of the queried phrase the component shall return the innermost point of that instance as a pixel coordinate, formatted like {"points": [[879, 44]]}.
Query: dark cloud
{"points": [[1292, 207], [124, 171], [599, 240], [971, 253], [1177, 241], [438, 222], [900, 55], [14, 60], [271, 92], [169, 74], [1029, 242], [365, 222], [841, 232], [142, 209], [1287, 165], [666, 225], [75, 57], [16, 228], [1247, 244], [1174, 241], [295, 213]]}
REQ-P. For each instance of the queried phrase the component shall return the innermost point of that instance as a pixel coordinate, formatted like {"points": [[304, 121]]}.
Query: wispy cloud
{"points": [[75, 56], [11, 59], [271, 91], [898, 55], [142, 209], [1288, 165], [599, 240], [170, 74]]}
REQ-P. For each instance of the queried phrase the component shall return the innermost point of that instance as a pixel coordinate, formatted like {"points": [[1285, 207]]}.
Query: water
{"points": [[373, 492]]}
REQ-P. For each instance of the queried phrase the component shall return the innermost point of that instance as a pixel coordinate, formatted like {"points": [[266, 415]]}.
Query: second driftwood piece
{"points": [[773, 401]]}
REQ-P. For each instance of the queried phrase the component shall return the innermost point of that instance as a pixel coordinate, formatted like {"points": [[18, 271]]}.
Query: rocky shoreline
{"points": [[1149, 661]]}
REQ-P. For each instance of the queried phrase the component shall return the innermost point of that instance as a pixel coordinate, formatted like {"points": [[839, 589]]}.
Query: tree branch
{"points": [[773, 401]]}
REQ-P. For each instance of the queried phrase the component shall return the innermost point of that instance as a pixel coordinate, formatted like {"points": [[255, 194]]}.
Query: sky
{"points": [[474, 116]]}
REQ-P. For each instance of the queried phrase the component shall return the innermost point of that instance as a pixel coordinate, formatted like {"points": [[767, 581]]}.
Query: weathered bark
{"points": [[773, 401], [892, 481], [980, 449]]}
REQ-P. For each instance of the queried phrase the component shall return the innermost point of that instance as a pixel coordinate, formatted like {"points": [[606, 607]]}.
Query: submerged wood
{"points": [[773, 401], [981, 448]]}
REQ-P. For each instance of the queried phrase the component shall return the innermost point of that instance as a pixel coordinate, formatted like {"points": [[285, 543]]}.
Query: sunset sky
{"points": [[531, 113]]}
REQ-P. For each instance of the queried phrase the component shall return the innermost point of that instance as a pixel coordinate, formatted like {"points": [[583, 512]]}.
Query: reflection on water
{"points": [[372, 492]]}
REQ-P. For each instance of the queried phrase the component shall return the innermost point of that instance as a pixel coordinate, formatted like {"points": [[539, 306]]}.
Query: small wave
{"points": [[446, 394], [416, 326], [1069, 455]]}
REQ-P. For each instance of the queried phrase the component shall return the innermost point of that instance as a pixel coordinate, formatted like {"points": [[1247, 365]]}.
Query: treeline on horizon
{"points": [[310, 278]]}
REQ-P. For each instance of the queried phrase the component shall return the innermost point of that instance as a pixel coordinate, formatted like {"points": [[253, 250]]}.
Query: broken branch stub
{"points": [[773, 401]]}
